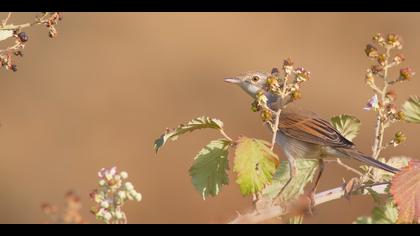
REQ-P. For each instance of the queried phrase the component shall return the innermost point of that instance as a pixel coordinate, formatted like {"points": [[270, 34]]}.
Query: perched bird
{"points": [[304, 134]]}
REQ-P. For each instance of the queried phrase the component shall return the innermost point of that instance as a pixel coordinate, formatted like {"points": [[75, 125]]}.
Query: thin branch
{"points": [[380, 125], [375, 88], [275, 128], [39, 20], [320, 198], [348, 167], [4, 22], [380, 128]]}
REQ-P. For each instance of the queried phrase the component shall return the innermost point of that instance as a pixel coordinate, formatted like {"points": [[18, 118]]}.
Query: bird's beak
{"points": [[233, 80]]}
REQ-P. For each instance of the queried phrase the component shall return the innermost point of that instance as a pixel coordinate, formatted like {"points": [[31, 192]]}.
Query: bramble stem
{"points": [[348, 167], [38, 21], [4, 22], [275, 127], [380, 128], [320, 198]]}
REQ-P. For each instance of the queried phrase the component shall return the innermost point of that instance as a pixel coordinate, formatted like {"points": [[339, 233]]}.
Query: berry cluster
{"points": [[113, 192], [383, 101], [6, 59], [50, 19], [286, 87]]}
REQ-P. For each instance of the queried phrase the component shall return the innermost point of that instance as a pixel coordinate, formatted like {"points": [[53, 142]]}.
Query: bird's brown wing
{"points": [[308, 127]]}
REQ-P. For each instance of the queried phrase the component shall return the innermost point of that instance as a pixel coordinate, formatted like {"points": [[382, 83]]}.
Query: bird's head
{"points": [[250, 82]]}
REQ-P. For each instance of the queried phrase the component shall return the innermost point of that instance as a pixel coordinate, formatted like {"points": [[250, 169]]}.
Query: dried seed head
{"points": [[394, 40], [382, 58], [376, 69], [399, 138], [406, 74], [391, 108], [52, 33], [400, 115], [288, 65], [255, 107], [266, 115], [302, 75], [18, 53], [398, 59], [378, 38], [371, 51], [391, 95], [296, 94], [272, 83], [369, 79]]}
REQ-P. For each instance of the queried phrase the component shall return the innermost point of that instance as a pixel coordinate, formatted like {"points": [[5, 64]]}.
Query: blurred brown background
{"points": [[100, 93]]}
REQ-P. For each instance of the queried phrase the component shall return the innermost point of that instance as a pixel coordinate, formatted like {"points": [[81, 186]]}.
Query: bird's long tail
{"points": [[353, 153]]}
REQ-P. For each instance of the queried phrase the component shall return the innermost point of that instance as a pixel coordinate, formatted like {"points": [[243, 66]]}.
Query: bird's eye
{"points": [[255, 78]]}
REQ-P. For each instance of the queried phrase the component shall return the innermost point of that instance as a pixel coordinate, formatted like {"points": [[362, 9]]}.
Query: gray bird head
{"points": [[250, 82]]}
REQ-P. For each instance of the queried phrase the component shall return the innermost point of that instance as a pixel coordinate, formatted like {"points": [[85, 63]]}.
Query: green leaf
{"points": [[411, 109], [209, 169], [387, 214], [347, 125], [5, 34], [306, 169], [195, 124], [254, 164]]}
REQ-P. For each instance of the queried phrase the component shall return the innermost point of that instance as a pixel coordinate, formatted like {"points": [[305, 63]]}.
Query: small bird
{"points": [[304, 134]]}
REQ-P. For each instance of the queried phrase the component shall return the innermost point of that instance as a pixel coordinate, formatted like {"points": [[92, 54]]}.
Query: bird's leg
{"points": [[313, 191], [292, 174], [321, 170]]}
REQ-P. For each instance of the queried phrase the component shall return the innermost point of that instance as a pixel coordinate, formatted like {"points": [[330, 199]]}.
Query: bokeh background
{"points": [[99, 94]]}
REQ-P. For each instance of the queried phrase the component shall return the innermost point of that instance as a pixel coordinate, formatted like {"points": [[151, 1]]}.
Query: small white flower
{"points": [[117, 177], [102, 182], [107, 173], [138, 197], [98, 198], [122, 195], [129, 186], [112, 194], [107, 215], [124, 175], [105, 204], [119, 215]]}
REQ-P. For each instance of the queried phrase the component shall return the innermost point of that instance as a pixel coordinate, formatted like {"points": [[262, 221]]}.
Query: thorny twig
{"points": [[4, 22], [385, 63], [275, 126], [380, 125], [320, 198], [49, 19], [43, 19], [348, 167]]}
